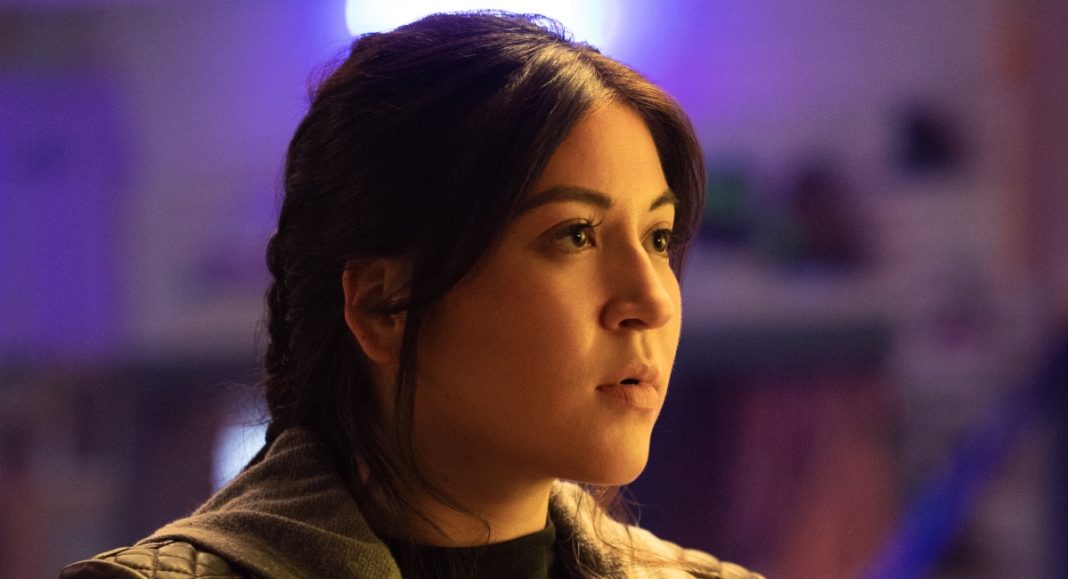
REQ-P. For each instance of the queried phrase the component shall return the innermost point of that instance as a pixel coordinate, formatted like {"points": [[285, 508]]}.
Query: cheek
{"points": [[522, 324], [667, 338], [516, 320], [676, 298], [494, 370]]}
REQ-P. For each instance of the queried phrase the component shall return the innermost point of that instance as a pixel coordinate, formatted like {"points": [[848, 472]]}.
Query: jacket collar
{"points": [[291, 515]]}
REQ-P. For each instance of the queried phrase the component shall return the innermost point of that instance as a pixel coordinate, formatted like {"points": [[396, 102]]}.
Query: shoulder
{"points": [[632, 552], [163, 559]]}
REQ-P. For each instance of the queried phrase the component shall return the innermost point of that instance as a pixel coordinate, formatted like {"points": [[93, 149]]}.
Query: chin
{"points": [[610, 468]]}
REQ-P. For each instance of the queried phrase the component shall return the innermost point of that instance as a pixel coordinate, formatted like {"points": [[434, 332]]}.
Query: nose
{"points": [[643, 294]]}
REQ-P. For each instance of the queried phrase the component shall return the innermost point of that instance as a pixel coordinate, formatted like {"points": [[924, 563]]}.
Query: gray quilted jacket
{"points": [[290, 516]]}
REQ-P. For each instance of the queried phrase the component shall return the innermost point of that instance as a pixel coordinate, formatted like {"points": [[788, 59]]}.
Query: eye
{"points": [[575, 236], [660, 240]]}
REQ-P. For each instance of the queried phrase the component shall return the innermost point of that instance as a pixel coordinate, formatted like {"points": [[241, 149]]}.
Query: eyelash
{"points": [[567, 230], [587, 227]]}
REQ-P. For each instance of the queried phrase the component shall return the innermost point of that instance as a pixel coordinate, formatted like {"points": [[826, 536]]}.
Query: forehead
{"points": [[610, 151]]}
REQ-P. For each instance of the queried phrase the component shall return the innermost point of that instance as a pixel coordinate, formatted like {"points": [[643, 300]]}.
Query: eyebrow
{"points": [[565, 193]]}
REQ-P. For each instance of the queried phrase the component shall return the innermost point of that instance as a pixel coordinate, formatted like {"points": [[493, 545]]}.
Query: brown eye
{"points": [[575, 236], [660, 240], [578, 235]]}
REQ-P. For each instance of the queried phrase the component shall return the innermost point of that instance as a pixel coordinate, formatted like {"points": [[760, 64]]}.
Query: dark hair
{"points": [[421, 145]]}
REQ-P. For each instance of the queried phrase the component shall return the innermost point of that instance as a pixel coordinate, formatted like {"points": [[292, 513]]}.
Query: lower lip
{"points": [[642, 396]]}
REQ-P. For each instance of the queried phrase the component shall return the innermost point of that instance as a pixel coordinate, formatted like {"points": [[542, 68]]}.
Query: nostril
{"points": [[633, 324]]}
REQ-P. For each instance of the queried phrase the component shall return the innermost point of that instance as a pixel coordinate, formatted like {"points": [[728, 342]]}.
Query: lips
{"points": [[637, 385], [636, 373]]}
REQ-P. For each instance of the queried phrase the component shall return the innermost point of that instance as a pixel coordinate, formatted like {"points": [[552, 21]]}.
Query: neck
{"points": [[477, 511]]}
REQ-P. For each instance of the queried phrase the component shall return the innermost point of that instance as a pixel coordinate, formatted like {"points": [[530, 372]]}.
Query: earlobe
{"points": [[368, 285]]}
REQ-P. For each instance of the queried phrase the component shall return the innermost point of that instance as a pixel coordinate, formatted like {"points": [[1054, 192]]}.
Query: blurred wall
{"points": [[202, 99]]}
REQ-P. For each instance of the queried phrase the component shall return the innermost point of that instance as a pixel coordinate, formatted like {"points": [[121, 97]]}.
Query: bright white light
{"points": [[234, 447], [589, 21]]}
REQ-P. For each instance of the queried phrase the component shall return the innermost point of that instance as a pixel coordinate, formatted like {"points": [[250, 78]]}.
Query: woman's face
{"points": [[552, 359]]}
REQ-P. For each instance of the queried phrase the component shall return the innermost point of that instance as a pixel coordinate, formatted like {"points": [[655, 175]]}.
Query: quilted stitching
{"points": [[173, 560]]}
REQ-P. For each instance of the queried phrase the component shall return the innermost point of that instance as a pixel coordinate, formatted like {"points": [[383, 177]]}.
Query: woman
{"points": [[474, 299]]}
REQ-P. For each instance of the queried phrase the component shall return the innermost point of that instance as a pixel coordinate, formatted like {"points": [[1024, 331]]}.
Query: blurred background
{"points": [[872, 373]]}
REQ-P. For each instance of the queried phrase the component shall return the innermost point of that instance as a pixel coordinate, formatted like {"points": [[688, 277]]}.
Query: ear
{"points": [[367, 285]]}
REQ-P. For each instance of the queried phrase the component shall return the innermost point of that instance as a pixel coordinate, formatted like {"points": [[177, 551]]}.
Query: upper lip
{"points": [[639, 371]]}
